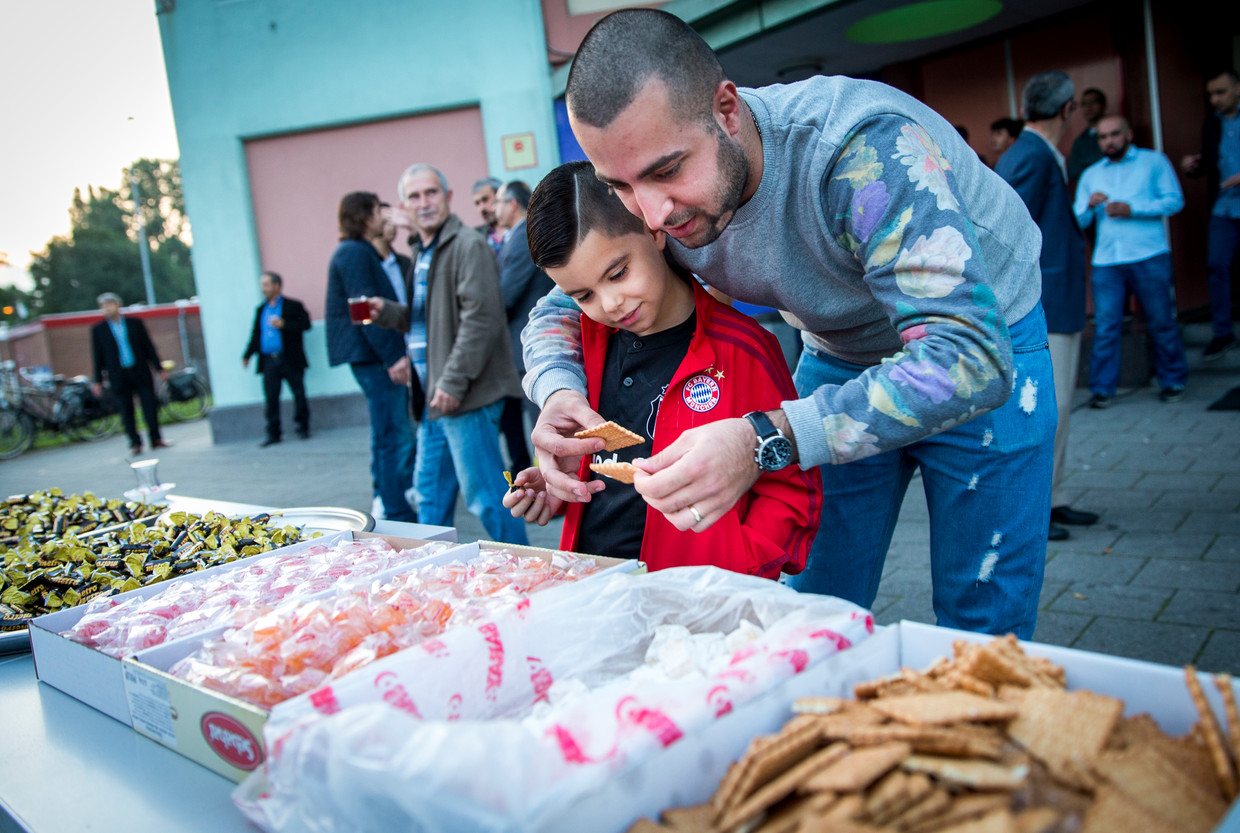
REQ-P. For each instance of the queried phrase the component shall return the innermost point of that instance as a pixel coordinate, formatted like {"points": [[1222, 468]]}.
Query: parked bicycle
{"points": [[184, 396], [29, 403]]}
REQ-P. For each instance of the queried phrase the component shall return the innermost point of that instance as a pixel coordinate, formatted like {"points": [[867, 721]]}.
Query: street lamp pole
{"points": [[143, 248]]}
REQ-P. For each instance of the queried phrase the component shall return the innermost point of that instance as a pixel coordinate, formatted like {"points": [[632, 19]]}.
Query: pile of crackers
{"points": [[989, 741]]}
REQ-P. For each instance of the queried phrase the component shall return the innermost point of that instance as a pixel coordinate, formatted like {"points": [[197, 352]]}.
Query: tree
{"points": [[100, 252]]}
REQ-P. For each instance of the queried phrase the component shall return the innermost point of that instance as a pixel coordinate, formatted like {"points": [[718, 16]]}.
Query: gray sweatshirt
{"points": [[879, 233]]}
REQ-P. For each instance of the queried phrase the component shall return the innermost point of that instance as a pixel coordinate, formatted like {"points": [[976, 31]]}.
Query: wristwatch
{"points": [[773, 451]]}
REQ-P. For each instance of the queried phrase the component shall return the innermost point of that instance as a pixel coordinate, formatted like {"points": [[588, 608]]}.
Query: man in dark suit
{"points": [[1035, 168], [276, 337], [522, 284], [123, 352]]}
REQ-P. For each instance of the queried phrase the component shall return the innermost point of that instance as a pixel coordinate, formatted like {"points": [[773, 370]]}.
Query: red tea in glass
{"points": [[359, 310]]}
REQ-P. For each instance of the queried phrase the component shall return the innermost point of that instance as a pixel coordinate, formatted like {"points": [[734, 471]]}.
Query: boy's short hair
{"points": [[566, 206]]}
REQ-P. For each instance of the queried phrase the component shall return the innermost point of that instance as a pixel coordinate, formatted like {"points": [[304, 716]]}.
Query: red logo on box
{"points": [[231, 741]]}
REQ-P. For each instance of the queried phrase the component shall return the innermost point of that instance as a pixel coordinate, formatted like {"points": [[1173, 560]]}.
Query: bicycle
{"points": [[67, 406], [184, 396]]}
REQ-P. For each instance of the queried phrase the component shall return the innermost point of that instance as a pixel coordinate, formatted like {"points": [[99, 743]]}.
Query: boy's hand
{"points": [[707, 468], [559, 453], [529, 499]]}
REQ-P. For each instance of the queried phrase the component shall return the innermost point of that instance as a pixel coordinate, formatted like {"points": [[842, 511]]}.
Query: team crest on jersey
{"points": [[701, 393]]}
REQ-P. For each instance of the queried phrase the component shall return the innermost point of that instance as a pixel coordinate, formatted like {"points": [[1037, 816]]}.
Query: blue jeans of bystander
{"points": [[465, 446], [391, 438], [1150, 281], [1224, 237], [988, 489]]}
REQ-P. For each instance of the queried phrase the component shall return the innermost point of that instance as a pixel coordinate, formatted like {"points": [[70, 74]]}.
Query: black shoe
{"points": [[1072, 517], [269, 441], [1218, 346], [161, 444], [1171, 394], [1057, 533], [1099, 401], [303, 435]]}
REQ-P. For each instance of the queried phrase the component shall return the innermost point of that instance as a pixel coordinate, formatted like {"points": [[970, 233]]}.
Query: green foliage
{"points": [[100, 253]]}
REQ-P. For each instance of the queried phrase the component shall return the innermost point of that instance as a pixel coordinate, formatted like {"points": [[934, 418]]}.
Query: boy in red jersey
{"points": [[661, 356]]}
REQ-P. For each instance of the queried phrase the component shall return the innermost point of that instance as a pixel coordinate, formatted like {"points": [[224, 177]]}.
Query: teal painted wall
{"points": [[240, 69]]}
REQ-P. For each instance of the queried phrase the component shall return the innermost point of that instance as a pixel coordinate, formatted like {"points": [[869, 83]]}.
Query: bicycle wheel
{"points": [[94, 428], [195, 407], [16, 432]]}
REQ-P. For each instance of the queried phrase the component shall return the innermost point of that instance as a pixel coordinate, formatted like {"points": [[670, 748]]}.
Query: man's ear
{"points": [[727, 107]]}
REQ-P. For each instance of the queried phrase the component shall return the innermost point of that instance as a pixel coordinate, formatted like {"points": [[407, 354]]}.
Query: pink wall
{"points": [[565, 31], [296, 182]]}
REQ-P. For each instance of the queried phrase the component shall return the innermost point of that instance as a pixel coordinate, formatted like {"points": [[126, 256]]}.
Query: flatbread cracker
{"points": [[977, 775], [700, 818], [996, 821], [944, 708], [1065, 730], [1224, 772], [769, 761], [858, 770], [782, 786], [615, 436], [616, 471], [1223, 683], [1154, 783], [1112, 810]]}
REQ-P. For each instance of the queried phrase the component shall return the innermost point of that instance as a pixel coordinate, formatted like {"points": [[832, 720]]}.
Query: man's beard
{"points": [[729, 188], [1116, 155]]}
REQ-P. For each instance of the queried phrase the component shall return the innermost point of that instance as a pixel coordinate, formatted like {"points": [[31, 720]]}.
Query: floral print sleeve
{"points": [[551, 344], [891, 203]]}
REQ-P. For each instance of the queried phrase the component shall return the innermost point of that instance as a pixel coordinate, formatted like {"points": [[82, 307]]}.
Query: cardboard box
{"points": [[688, 772], [224, 734], [95, 678]]}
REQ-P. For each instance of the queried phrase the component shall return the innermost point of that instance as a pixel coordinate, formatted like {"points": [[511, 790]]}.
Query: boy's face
{"points": [[620, 281]]}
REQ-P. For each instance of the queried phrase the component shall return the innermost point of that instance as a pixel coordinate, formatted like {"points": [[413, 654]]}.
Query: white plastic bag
{"points": [[442, 737]]}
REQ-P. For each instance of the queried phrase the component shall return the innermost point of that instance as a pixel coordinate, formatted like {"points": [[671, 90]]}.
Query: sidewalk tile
{"points": [[1176, 544], [1151, 641], [1140, 520], [1228, 483], [1118, 600], [1209, 502], [1214, 523], [1095, 478], [1222, 653], [1062, 629], [1225, 548], [1101, 497], [1091, 540], [1171, 481], [1202, 607], [1050, 592], [1092, 569], [1221, 576]]}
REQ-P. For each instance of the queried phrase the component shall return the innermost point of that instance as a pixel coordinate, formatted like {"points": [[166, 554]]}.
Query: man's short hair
{"points": [[566, 206], [417, 169], [108, 296], [486, 182], [1046, 94], [519, 191], [275, 278], [1010, 126], [1097, 93], [1230, 72], [628, 48], [356, 209]]}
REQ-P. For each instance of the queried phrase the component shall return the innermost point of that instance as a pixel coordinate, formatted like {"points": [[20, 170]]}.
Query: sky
{"points": [[83, 94]]}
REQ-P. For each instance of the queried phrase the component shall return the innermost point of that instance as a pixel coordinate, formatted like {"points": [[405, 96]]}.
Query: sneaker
{"points": [[1099, 401], [1171, 394], [1217, 347]]}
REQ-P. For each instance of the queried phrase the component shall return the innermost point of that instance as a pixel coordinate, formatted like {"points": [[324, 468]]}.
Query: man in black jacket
{"points": [[1219, 162], [123, 352], [276, 337]]}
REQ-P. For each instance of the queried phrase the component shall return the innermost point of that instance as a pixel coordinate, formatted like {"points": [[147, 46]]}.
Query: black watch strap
{"points": [[762, 424]]}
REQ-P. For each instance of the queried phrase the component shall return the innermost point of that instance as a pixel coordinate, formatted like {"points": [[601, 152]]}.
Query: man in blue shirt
{"points": [[1128, 194], [276, 337], [1219, 162], [125, 356]]}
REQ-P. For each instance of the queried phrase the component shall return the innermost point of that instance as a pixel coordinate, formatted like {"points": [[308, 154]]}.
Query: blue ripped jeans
{"points": [[988, 488]]}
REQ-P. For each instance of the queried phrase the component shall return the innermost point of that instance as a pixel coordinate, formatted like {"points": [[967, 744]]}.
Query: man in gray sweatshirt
{"points": [[910, 267]]}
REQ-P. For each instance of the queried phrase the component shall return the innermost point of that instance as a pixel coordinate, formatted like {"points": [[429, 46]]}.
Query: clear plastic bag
{"points": [[451, 735]]}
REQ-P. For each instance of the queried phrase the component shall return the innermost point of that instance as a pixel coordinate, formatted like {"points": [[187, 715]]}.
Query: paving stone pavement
{"points": [[1158, 578]]}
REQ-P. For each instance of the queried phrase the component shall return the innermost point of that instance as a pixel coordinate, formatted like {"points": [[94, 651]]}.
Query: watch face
{"points": [[775, 454]]}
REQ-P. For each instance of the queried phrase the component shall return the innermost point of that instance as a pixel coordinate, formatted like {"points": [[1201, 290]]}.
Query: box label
{"points": [[149, 707]]}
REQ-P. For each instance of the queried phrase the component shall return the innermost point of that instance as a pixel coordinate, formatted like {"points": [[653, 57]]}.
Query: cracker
{"points": [[1223, 683], [935, 804], [963, 808], [615, 436], [1113, 811], [977, 775], [819, 705], [996, 821], [616, 471], [859, 769], [1037, 820], [1224, 773], [787, 817], [1066, 731], [782, 786], [646, 826], [891, 791], [990, 665], [1157, 786], [917, 787], [700, 818], [771, 760], [933, 740], [1187, 754], [944, 708]]}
